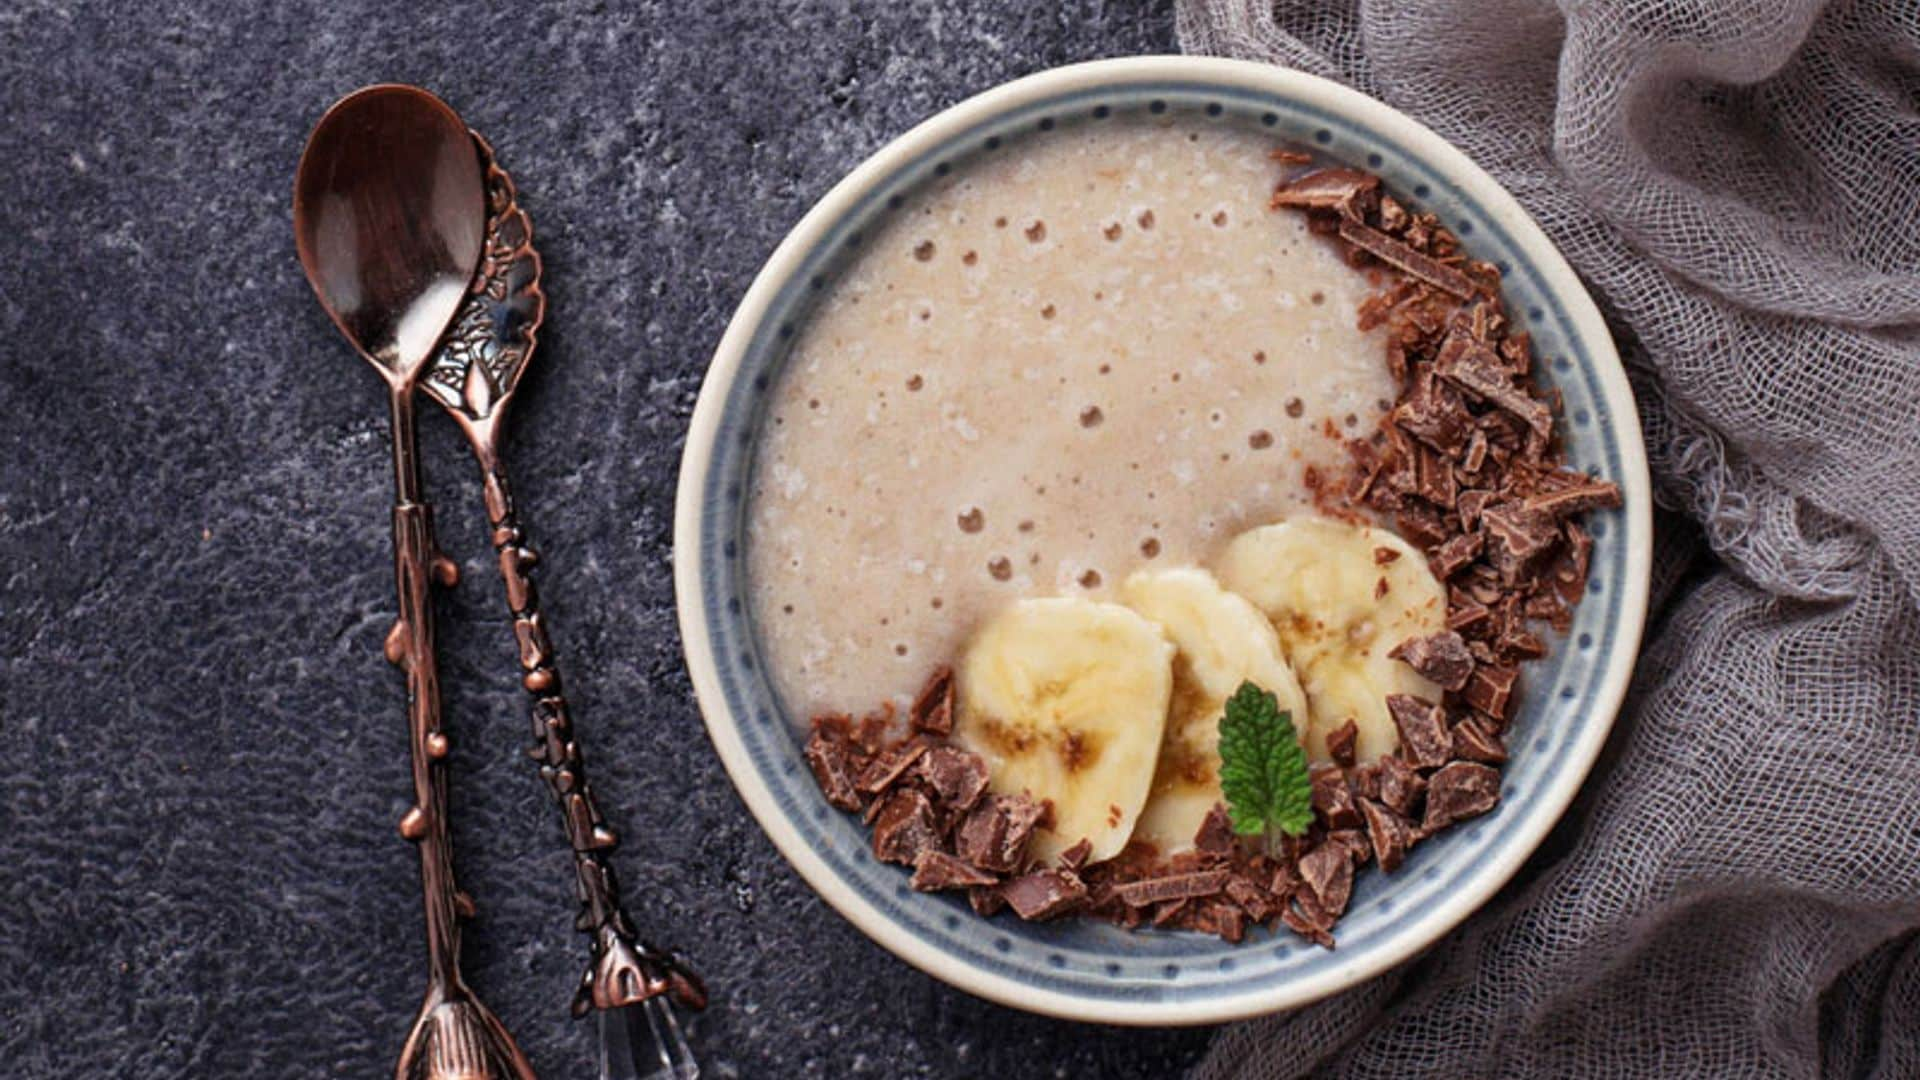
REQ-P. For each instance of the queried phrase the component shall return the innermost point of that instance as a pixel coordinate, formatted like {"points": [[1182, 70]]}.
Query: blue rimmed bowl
{"points": [[1087, 970]]}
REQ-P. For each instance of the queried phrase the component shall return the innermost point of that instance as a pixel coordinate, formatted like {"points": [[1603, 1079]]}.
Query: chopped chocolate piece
{"points": [[1421, 524], [1476, 451], [1482, 652], [1254, 900], [1305, 916], [1469, 505], [1397, 254], [1355, 841], [1328, 871], [1171, 887], [1424, 740], [1441, 658], [1516, 642], [1400, 786], [1390, 834], [1490, 689], [1332, 799], [1453, 556], [1517, 536], [1462, 790], [1468, 616], [937, 870], [994, 835], [831, 757], [1075, 857], [891, 764], [1191, 862], [1568, 501], [986, 901], [1044, 894], [1433, 413], [1340, 742], [1285, 879], [904, 828], [1170, 911], [1474, 368], [1435, 482], [1365, 779], [1474, 740], [1216, 832], [1517, 351], [1222, 918], [1579, 550], [957, 777], [932, 710], [1393, 216], [1290, 157], [1347, 191]]}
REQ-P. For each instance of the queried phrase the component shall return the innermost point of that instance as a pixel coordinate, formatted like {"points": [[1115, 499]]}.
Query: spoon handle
{"points": [[454, 1035], [624, 970]]}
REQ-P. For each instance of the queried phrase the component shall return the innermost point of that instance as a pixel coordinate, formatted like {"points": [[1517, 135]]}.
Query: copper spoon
{"points": [[474, 376], [389, 217]]}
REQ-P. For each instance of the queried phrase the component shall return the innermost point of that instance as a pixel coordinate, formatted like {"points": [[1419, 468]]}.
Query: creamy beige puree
{"points": [[1093, 351]]}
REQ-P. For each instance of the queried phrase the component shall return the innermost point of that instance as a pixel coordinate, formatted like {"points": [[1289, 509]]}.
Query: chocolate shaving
{"points": [[1424, 740], [1349, 192], [932, 710], [1171, 887], [1578, 499], [1462, 790], [1394, 253], [891, 764], [1474, 368], [1439, 658]]}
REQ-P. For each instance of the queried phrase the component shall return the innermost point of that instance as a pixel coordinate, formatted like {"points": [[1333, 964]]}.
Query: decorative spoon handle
{"points": [[454, 1035]]}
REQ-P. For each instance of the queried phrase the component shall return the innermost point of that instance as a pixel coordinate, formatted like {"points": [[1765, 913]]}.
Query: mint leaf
{"points": [[1263, 770]]}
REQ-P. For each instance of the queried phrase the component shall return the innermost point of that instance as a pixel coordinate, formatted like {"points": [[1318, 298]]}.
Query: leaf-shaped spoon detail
{"points": [[474, 376]]}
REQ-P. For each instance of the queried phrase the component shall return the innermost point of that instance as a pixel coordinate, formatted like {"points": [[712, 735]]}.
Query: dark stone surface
{"points": [[201, 752]]}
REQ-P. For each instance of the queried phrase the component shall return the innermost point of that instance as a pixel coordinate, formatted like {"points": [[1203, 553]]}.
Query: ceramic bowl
{"points": [[1083, 969]]}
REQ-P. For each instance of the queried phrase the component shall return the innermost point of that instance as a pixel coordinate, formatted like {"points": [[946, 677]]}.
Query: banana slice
{"points": [[1341, 596], [1067, 700], [1221, 642]]}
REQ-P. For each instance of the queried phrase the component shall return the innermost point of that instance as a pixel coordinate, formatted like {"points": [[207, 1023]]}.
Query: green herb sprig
{"points": [[1263, 770]]}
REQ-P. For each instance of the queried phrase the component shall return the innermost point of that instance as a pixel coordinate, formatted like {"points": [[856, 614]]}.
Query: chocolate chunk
{"points": [[1221, 918], [986, 901], [1474, 368], [1462, 790], [1393, 217], [1435, 481], [1453, 556], [956, 777], [1421, 524], [830, 755], [1365, 780], [1252, 899], [1191, 862], [1475, 740], [1075, 857], [1578, 499], [1305, 916], [1340, 742], [1400, 786], [1171, 887], [1328, 871], [1469, 505], [993, 836], [1332, 799], [904, 828], [1285, 879], [1044, 894], [1170, 912], [1216, 832], [1389, 833], [1517, 537], [1441, 658], [1394, 253], [936, 870], [1517, 351], [1469, 616], [1433, 413], [1490, 689], [1476, 452], [891, 764], [1349, 192], [1424, 740], [932, 710], [1355, 841]]}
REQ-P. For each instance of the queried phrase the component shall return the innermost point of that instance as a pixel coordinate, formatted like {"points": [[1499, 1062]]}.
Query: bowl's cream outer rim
{"points": [[689, 565]]}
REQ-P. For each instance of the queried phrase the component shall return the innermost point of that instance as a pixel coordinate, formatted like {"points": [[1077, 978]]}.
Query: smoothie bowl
{"points": [[1162, 541]]}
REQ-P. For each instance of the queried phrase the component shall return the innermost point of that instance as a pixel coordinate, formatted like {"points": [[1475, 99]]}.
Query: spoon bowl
{"points": [[389, 215]]}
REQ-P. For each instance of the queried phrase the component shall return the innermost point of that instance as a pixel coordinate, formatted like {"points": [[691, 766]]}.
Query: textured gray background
{"points": [[201, 753]]}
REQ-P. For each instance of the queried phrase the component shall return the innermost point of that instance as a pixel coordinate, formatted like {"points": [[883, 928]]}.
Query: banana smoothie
{"points": [[1093, 352]]}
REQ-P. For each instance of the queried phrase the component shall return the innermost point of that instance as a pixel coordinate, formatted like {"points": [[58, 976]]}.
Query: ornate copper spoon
{"points": [[389, 216], [474, 376]]}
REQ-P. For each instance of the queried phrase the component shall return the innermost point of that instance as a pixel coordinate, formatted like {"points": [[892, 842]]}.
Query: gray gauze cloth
{"points": [[1737, 891]]}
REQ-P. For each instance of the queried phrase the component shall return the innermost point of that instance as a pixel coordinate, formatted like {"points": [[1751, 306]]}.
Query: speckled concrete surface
{"points": [[201, 753]]}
